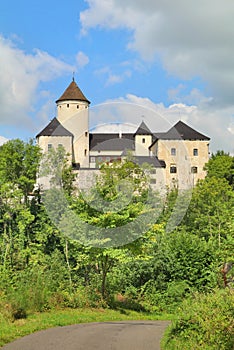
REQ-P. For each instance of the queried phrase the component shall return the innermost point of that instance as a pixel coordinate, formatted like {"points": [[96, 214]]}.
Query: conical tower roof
{"points": [[73, 92]]}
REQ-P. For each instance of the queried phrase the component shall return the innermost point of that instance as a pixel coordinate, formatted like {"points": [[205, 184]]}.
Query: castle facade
{"points": [[175, 158]]}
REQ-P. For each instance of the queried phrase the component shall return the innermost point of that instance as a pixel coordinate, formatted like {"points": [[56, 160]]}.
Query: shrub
{"points": [[205, 322]]}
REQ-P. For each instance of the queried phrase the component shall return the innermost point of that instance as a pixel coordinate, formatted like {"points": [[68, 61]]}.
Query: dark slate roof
{"points": [[152, 160], [73, 92], [186, 132], [114, 144], [54, 128], [111, 142], [159, 135], [143, 130], [180, 131]]}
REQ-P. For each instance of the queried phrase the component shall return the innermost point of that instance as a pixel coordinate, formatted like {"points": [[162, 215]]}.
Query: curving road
{"points": [[123, 335]]}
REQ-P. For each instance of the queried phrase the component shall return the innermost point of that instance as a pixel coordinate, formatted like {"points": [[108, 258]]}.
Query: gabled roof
{"points": [[73, 92], [143, 130], [180, 131], [54, 128]]}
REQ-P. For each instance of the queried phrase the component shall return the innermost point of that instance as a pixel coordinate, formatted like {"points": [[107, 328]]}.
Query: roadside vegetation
{"points": [[48, 277]]}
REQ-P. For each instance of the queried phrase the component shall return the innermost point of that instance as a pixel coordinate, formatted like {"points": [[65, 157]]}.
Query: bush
{"points": [[205, 322]]}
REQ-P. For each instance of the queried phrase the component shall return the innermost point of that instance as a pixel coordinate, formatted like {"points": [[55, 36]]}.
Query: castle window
{"points": [[153, 181], [85, 152], [153, 171], [60, 145], [92, 160], [67, 105], [49, 146], [77, 106], [173, 151], [195, 152], [86, 133], [173, 169], [194, 170], [143, 140]]}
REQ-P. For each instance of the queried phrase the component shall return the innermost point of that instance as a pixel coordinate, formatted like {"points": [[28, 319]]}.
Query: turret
{"points": [[143, 140], [73, 114]]}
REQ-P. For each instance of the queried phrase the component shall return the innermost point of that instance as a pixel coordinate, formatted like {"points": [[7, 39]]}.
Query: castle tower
{"points": [[73, 114], [143, 140]]}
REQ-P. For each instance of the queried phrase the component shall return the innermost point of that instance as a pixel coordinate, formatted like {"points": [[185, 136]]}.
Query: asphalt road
{"points": [[124, 335]]}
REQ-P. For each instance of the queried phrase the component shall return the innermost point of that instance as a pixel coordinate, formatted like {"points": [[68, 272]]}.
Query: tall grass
{"points": [[205, 322]]}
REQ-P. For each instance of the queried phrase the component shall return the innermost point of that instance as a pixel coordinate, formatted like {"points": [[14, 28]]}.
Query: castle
{"points": [[176, 157]]}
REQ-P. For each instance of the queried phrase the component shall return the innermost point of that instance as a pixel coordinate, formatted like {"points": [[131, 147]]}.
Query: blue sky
{"points": [[172, 58]]}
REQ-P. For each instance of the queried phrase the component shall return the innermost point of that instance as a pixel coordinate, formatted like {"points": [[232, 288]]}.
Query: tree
{"points": [[19, 164], [55, 165], [221, 165], [109, 218], [210, 214]]}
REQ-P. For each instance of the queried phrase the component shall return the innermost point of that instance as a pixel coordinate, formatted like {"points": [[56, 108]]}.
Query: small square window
{"points": [[173, 169], [173, 151], [153, 181], [195, 152], [92, 159], [153, 171], [194, 170]]}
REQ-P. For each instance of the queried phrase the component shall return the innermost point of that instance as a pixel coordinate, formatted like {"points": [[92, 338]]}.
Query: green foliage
{"points": [[221, 165], [125, 175], [61, 249], [54, 164], [204, 322], [210, 212], [19, 164]]}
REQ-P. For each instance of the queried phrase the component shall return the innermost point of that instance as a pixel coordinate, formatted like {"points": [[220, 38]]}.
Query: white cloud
{"points": [[20, 76], [113, 78], [133, 109], [114, 128], [81, 59], [191, 38], [3, 140]]}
